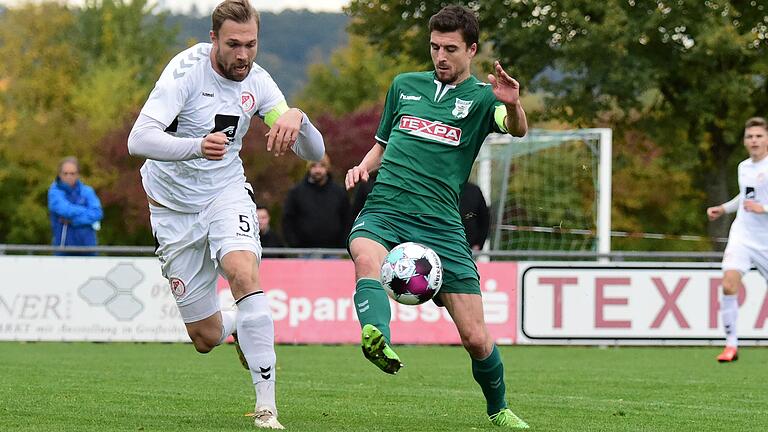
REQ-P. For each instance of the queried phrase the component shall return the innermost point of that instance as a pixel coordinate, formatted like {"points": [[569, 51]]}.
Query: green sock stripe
{"points": [[372, 305], [489, 373]]}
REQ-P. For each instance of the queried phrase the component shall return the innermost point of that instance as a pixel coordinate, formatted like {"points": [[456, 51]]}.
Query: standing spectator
{"points": [[316, 211], [75, 210], [474, 215], [269, 238], [748, 238]]}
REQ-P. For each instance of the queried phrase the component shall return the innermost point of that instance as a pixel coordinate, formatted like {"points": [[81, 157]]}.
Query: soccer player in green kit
{"points": [[430, 133]]}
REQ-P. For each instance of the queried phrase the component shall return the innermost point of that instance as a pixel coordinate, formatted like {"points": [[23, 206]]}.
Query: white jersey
{"points": [[751, 228], [192, 100]]}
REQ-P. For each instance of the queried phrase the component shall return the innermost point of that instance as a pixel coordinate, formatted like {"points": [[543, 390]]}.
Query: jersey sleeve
{"points": [[270, 97], [388, 115], [166, 100]]}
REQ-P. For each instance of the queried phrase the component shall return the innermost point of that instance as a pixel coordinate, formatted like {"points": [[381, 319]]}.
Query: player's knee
{"points": [[366, 265], [242, 280], [203, 344], [731, 285], [476, 343], [204, 341]]}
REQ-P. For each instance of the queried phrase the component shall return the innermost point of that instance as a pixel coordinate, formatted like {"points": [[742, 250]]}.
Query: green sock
{"points": [[489, 373], [372, 305]]}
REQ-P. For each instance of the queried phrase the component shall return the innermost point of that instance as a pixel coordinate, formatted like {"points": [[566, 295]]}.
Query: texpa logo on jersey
{"points": [[433, 130]]}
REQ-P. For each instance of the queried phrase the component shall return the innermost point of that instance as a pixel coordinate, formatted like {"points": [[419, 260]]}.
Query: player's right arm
{"points": [[149, 140], [370, 163], [731, 206], [372, 160]]}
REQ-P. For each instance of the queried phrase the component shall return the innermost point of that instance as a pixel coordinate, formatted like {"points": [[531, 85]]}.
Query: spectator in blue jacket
{"points": [[75, 210]]}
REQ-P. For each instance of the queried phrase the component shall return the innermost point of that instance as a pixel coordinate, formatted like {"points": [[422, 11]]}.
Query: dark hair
{"points": [[239, 11], [756, 121], [456, 18]]}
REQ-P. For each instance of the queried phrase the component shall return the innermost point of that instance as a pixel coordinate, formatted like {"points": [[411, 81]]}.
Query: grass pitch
{"points": [[168, 387]]}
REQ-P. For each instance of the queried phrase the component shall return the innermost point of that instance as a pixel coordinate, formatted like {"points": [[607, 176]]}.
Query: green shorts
{"points": [[446, 238]]}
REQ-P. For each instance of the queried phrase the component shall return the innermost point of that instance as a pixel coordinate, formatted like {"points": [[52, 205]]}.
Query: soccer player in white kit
{"points": [[748, 238], [203, 217]]}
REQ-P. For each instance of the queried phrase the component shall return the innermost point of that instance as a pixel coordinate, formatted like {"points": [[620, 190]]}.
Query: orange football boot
{"points": [[729, 354]]}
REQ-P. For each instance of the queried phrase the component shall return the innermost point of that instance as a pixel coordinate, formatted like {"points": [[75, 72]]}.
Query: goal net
{"points": [[549, 190]]}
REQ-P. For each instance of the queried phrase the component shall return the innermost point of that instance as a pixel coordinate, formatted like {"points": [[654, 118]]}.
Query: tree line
{"points": [[675, 81]]}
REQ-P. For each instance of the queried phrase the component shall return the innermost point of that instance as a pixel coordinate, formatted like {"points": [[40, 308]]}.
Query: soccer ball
{"points": [[412, 273]]}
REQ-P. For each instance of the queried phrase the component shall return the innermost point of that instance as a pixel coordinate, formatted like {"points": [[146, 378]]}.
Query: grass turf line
{"points": [[169, 387]]}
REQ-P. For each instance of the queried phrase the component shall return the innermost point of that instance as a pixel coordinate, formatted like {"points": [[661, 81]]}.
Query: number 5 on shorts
{"points": [[245, 225]]}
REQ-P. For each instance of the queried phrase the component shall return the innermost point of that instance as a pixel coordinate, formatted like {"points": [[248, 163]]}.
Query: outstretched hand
{"points": [[506, 88], [714, 213], [355, 175], [284, 131]]}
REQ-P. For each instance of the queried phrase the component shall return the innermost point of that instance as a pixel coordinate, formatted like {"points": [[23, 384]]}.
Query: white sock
{"points": [[256, 335], [729, 312], [228, 320]]}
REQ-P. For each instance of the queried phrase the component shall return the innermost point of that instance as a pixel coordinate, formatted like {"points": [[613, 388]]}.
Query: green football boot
{"points": [[375, 349], [506, 418]]}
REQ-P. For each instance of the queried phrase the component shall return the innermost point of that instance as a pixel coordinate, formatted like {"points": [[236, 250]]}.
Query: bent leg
{"points": [[371, 301], [255, 328], [372, 305], [206, 333]]}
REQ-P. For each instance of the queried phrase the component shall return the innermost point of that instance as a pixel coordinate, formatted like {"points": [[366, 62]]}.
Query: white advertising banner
{"points": [[86, 299], [48, 298], [572, 302]]}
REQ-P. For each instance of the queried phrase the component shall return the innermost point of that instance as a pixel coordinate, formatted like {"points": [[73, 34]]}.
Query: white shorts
{"points": [[190, 246], [741, 257]]}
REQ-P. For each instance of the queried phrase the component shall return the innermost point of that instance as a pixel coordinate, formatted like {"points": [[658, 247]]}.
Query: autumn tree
{"points": [[686, 73], [69, 78]]}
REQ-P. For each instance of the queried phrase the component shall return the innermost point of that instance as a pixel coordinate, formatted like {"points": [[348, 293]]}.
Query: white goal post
{"points": [[550, 190]]}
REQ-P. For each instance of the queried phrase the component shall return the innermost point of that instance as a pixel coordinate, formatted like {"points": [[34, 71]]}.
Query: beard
{"points": [[449, 76], [230, 70]]}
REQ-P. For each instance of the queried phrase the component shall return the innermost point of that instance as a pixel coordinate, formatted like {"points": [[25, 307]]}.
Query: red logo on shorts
{"points": [[177, 287]]}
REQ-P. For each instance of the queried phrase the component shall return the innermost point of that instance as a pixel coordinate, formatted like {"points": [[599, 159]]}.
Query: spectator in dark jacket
{"points": [[475, 215], [75, 210], [268, 237], [316, 213]]}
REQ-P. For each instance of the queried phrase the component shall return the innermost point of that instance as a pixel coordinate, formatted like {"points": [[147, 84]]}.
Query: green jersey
{"points": [[432, 133]]}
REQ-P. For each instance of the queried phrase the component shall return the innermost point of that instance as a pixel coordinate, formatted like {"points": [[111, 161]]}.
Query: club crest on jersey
{"points": [[247, 101], [178, 288], [433, 130], [461, 109]]}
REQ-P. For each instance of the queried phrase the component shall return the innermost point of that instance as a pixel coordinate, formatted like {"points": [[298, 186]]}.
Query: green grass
{"points": [[168, 387]]}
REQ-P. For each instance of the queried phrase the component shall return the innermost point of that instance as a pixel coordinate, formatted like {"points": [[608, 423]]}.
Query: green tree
{"points": [[70, 77], [357, 77], [687, 73]]}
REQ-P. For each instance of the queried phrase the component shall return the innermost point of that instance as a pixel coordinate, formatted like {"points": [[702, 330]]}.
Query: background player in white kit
{"points": [[191, 130], [748, 238]]}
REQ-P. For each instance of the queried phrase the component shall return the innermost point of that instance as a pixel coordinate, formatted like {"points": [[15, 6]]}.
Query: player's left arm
{"points": [[507, 91], [755, 207], [291, 128]]}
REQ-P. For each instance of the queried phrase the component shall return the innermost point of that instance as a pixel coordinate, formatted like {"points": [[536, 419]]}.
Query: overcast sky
{"points": [[208, 5]]}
